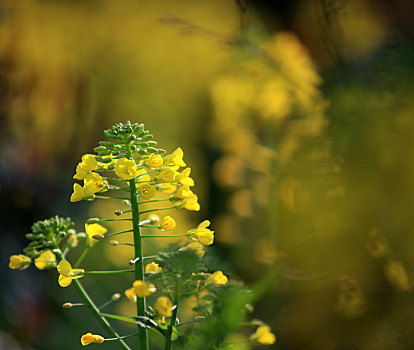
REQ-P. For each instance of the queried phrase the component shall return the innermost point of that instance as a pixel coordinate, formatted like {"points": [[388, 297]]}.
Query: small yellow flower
{"points": [[92, 230], [130, 294], [163, 305], [142, 175], [166, 175], [46, 260], [93, 183], [167, 224], [263, 335], [89, 163], [191, 203], [196, 246], [154, 161], [184, 192], [153, 268], [147, 191], [184, 177], [126, 168], [218, 278], [80, 172], [20, 262], [142, 289], [90, 338], [66, 273], [175, 159], [166, 187], [202, 233], [78, 193]]}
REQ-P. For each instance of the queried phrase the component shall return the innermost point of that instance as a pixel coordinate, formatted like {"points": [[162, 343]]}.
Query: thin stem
{"points": [[117, 233], [123, 337], [81, 257], [139, 268], [107, 197], [151, 210], [103, 220], [162, 236], [110, 272], [168, 340], [154, 200]]}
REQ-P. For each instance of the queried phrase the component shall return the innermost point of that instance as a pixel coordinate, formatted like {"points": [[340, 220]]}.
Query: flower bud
{"points": [[115, 297], [67, 305]]}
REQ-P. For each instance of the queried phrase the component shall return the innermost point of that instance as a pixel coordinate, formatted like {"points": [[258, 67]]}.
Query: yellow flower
{"points": [[167, 224], [153, 268], [126, 168], [130, 294], [202, 233], [163, 305], [46, 260], [166, 175], [66, 273], [190, 203], [263, 335], [166, 187], [93, 183], [147, 191], [20, 261], [218, 278], [184, 192], [89, 163], [154, 161], [184, 177], [196, 246], [142, 289], [143, 175], [80, 172], [92, 230], [90, 338], [175, 159], [79, 193]]}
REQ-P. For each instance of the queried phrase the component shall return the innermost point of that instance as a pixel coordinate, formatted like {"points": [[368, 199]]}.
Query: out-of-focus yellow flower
{"points": [[175, 159], [263, 335], [218, 278], [154, 161], [126, 168], [167, 224], [166, 187], [143, 289], [79, 193], [130, 294], [90, 338], [20, 261], [147, 191], [166, 175], [92, 230], [397, 275], [93, 183], [66, 273], [142, 175], [184, 192], [202, 233], [153, 268], [196, 246], [184, 177], [163, 305], [46, 260]]}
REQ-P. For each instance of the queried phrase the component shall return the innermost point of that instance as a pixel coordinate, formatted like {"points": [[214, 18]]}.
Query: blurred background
{"points": [[296, 117]]}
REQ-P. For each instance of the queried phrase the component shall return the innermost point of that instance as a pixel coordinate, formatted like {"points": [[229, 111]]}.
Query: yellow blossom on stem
{"points": [[166, 175], [92, 230], [126, 168], [20, 261], [66, 273], [175, 159], [79, 193], [147, 191], [166, 187], [90, 338], [154, 161], [202, 233], [218, 278], [263, 335], [184, 177], [167, 224], [190, 203], [163, 305], [130, 294], [153, 268], [143, 289], [184, 192], [46, 260], [89, 163], [196, 246], [80, 172], [93, 183]]}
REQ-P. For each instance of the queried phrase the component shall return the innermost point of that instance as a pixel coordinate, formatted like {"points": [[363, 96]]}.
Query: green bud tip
{"points": [[116, 297], [67, 305]]}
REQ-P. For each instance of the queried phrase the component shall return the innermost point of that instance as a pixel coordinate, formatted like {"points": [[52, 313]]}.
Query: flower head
{"points": [[143, 289], [126, 168], [263, 335], [90, 338], [92, 230], [130, 294], [184, 177], [190, 203], [66, 273], [153, 268], [154, 161], [167, 224], [46, 260], [147, 191], [184, 192], [163, 305], [79, 193], [166, 175], [89, 163], [218, 278], [202, 233], [20, 262], [175, 159], [93, 183]]}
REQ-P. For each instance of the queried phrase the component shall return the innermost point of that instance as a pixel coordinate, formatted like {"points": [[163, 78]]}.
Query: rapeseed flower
{"points": [[184, 177], [93, 183], [90, 338], [190, 203], [66, 273], [196, 246], [167, 224], [79, 193], [184, 192], [175, 158], [126, 168], [147, 191], [46, 260], [263, 335], [154, 161], [92, 230], [218, 278], [166, 175], [202, 233], [153, 268], [163, 305], [20, 262], [143, 289]]}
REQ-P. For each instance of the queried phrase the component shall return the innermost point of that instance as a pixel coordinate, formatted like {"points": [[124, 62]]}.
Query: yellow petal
{"points": [[64, 281], [64, 268]]}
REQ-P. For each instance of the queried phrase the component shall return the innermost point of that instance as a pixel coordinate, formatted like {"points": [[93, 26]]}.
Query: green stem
{"points": [[162, 236], [151, 210], [107, 197], [81, 257], [154, 200], [168, 340], [111, 272], [139, 268], [116, 233]]}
